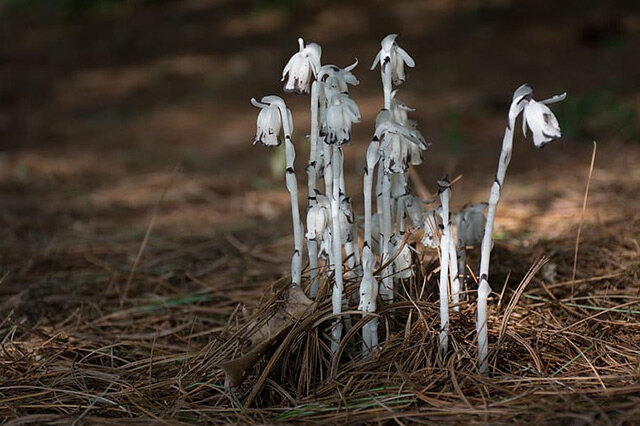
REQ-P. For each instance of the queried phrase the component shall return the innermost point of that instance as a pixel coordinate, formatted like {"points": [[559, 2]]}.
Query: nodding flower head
{"points": [[269, 124], [399, 112], [343, 76], [341, 113], [470, 222], [317, 221], [539, 118], [392, 55], [302, 66], [397, 143]]}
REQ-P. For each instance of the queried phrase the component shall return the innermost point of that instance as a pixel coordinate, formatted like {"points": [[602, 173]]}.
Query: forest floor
{"points": [[140, 231]]}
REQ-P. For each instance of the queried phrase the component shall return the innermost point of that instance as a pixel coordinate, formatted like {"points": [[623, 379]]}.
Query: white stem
{"points": [[328, 172], [336, 235], [444, 270], [292, 186], [462, 268], [487, 242], [401, 216], [367, 291], [356, 248], [379, 205], [455, 276], [385, 70], [368, 295], [368, 183], [386, 291], [311, 183]]}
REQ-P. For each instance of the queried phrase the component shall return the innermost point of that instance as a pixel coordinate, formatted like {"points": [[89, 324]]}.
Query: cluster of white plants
{"points": [[332, 235]]}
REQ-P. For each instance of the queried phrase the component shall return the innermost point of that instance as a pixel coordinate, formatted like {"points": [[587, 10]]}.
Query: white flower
{"points": [[317, 221], [399, 112], [470, 223], [395, 142], [269, 126], [342, 112], [392, 55], [543, 124], [301, 67], [341, 76], [386, 125], [269, 122]]}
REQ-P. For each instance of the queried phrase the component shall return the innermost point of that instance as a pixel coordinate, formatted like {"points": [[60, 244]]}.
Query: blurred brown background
{"points": [[100, 100]]}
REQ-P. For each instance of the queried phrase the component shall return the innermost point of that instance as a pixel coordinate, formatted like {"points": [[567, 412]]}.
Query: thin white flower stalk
{"points": [[392, 59], [386, 290], [349, 235], [301, 68], [368, 296], [268, 130], [312, 167], [544, 127], [454, 275], [470, 223], [444, 189], [341, 113], [336, 258], [373, 155]]}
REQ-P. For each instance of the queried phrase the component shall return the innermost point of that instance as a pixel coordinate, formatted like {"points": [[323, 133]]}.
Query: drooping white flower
{"points": [[393, 56], [341, 113], [539, 118], [317, 221], [395, 142], [269, 125], [385, 124], [302, 66], [399, 112], [341, 77], [470, 223]]}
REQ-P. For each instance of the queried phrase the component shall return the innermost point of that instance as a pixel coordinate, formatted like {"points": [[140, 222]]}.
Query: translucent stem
{"points": [[487, 243], [336, 236], [444, 271]]}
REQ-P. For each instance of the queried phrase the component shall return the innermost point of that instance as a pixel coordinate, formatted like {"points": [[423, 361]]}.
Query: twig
{"points": [[584, 207], [145, 240]]}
